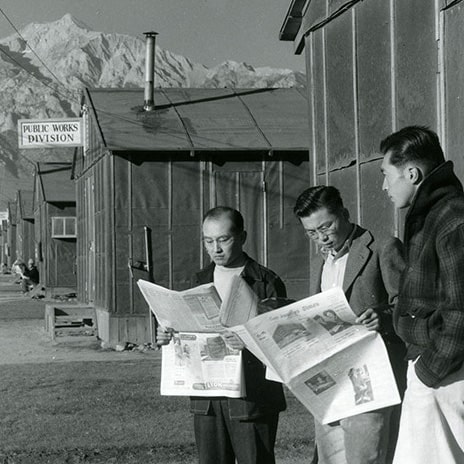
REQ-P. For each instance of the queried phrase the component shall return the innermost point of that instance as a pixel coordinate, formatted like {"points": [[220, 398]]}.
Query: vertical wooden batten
{"points": [[326, 131], [393, 72], [356, 116], [170, 212]]}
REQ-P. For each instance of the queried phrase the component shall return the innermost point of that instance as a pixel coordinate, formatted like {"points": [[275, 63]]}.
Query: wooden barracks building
{"points": [[373, 67], [25, 248], [145, 179], [55, 227]]}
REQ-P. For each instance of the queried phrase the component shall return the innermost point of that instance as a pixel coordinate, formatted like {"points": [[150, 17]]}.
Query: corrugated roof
{"points": [[202, 119], [56, 183]]}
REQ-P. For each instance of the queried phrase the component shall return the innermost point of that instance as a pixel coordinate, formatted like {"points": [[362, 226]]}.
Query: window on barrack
{"points": [[63, 227]]}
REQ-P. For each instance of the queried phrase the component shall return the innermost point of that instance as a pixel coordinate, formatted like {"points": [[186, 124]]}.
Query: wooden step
{"points": [[70, 320]]}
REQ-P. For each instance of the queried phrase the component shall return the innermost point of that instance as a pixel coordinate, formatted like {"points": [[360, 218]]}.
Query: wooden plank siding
{"points": [[452, 36], [375, 66], [163, 170], [170, 197]]}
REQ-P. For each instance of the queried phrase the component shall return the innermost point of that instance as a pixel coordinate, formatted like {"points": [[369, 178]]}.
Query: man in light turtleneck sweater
{"points": [[242, 429]]}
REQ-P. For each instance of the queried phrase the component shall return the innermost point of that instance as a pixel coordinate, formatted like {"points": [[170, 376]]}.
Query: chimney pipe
{"points": [[149, 101]]}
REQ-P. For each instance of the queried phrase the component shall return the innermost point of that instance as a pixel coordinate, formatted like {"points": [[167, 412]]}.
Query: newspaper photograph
{"points": [[316, 340], [356, 380], [201, 364]]}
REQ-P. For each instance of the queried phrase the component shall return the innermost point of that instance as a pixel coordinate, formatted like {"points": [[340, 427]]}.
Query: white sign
{"points": [[37, 133]]}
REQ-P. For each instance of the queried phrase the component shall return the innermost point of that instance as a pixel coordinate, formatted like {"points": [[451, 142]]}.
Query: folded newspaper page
{"points": [[197, 361], [193, 310], [239, 305], [335, 367], [200, 309], [201, 364]]}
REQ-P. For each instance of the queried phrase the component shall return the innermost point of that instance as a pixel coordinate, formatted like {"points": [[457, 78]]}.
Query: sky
{"points": [[205, 31]]}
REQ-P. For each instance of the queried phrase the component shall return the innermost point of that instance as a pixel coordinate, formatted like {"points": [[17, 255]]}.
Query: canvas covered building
{"points": [[25, 238], [146, 178], [373, 67], [55, 227], [4, 241], [10, 239]]}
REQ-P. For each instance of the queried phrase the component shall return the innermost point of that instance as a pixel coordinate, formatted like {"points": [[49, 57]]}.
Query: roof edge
{"points": [[293, 20], [306, 16]]}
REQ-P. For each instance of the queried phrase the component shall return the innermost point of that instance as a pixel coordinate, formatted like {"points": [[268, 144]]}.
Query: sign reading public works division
{"points": [[36, 133]]}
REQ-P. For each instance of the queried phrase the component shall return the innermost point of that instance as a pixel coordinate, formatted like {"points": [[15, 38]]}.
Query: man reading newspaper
{"points": [[242, 429], [368, 270]]}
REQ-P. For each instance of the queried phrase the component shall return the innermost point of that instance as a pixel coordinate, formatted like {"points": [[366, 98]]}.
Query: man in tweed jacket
{"points": [[368, 269], [429, 315]]}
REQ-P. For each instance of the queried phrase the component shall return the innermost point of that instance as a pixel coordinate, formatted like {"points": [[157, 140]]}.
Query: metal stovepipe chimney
{"points": [[149, 100]]}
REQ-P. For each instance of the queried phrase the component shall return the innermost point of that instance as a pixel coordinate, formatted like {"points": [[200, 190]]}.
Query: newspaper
{"points": [[201, 364], [197, 361], [335, 367], [200, 309]]}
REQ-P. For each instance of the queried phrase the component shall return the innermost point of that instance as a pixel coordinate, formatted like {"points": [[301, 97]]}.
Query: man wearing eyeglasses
{"points": [[369, 271], [242, 429]]}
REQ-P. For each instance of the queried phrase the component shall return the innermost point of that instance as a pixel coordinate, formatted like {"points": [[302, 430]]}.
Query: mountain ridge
{"points": [[66, 56]]}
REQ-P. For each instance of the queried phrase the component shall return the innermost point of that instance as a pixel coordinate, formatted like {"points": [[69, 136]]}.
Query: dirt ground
{"points": [[72, 402], [24, 340], [58, 377]]}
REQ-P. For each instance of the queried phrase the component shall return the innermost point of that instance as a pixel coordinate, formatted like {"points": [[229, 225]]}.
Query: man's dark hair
{"points": [[234, 215], [413, 143], [315, 198]]}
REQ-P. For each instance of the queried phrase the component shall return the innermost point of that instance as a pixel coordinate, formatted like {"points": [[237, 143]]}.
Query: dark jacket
{"points": [[429, 315], [32, 274], [263, 397]]}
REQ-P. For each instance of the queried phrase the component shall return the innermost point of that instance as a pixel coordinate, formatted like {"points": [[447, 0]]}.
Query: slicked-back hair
{"points": [[315, 198], [234, 215], [413, 144]]}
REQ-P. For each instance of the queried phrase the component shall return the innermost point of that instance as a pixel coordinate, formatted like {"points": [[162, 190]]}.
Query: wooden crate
{"points": [[70, 321]]}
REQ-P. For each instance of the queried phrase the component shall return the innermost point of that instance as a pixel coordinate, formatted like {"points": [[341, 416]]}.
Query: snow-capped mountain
{"points": [[43, 71]]}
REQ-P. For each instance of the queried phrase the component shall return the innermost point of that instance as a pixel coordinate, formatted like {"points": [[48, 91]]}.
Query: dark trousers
{"points": [[221, 440], [25, 284]]}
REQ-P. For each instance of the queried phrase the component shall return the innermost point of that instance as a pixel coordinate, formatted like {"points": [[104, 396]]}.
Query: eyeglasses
{"points": [[221, 241], [325, 229]]}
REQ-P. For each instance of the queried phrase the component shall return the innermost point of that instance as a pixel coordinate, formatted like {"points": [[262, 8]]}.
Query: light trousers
{"points": [[367, 438], [432, 421]]}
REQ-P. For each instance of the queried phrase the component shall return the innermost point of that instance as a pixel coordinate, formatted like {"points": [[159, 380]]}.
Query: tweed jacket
{"points": [[371, 279], [430, 312], [263, 397]]}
